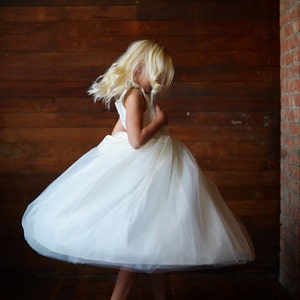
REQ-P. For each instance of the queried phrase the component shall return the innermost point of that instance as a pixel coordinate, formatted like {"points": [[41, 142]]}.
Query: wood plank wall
{"points": [[223, 104]]}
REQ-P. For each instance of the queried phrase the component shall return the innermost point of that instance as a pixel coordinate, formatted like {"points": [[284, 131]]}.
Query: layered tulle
{"points": [[147, 209]]}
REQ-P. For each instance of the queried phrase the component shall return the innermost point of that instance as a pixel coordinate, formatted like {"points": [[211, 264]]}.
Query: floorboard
{"points": [[187, 286]]}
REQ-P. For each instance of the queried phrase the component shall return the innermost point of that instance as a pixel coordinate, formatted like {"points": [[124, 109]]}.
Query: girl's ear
{"points": [[138, 70]]}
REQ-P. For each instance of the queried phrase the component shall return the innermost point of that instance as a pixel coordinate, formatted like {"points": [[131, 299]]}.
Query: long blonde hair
{"points": [[152, 57]]}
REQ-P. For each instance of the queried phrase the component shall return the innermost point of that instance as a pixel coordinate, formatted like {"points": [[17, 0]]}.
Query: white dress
{"points": [[150, 209]]}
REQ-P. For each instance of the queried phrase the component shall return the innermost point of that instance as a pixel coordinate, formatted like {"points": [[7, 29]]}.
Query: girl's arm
{"points": [[135, 107]]}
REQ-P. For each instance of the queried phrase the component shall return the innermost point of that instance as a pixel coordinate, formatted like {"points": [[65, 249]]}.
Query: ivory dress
{"points": [[150, 209]]}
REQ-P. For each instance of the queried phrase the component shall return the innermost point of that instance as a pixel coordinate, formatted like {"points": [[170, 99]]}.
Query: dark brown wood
{"points": [[223, 104], [190, 286], [104, 118], [40, 42], [62, 3], [124, 26], [195, 90], [60, 11]]}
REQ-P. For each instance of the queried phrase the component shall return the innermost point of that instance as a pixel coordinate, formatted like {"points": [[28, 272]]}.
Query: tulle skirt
{"points": [[150, 209]]}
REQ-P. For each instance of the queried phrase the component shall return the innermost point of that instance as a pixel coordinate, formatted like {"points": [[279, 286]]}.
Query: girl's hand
{"points": [[161, 115]]}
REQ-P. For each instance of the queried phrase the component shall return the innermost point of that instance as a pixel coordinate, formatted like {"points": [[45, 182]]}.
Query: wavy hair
{"points": [[153, 59]]}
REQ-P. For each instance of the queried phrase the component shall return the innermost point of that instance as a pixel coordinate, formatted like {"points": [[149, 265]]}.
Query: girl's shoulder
{"points": [[132, 90], [135, 96]]}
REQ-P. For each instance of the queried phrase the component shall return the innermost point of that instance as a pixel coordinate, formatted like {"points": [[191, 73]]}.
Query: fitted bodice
{"points": [[149, 113]]}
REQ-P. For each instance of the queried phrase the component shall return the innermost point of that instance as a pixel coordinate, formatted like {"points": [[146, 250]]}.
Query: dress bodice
{"points": [[149, 113]]}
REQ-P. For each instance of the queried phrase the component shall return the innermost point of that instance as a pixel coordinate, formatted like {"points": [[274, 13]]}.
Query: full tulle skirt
{"points": [[149, 209]]}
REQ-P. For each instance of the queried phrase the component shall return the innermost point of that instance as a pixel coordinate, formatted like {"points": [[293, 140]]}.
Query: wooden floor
{"points": [[182, 286]]}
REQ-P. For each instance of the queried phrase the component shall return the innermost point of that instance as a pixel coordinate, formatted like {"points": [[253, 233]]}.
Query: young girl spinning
{"points": [[137, 201]]}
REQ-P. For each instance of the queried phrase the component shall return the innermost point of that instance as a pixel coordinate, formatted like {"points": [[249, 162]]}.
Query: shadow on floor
{"points": [[182, 286]]}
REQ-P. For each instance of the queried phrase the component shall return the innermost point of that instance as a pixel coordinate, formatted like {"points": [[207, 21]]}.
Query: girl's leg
{"points": [[159, 286], [124, 284]]}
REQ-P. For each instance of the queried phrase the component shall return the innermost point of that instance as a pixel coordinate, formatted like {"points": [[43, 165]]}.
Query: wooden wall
{"points": [[223, 104]]}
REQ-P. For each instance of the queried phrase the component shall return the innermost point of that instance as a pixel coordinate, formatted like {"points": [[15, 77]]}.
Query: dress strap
{"points": [[131, 84]]}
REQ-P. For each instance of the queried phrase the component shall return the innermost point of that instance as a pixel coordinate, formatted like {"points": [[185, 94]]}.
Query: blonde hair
{"points": [[145, 54]]}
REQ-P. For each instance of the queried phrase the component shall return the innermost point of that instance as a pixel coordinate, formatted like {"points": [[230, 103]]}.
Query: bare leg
{"points": [[124, 284], [159, 286]]}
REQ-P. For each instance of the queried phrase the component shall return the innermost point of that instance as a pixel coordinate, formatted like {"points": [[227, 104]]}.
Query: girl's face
{"points": [[144, 82], [142, 78]]}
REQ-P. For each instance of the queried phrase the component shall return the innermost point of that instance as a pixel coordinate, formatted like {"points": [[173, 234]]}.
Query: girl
{"points": [[137, 201]]}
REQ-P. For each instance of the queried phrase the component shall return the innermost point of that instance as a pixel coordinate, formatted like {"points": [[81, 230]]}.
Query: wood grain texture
{"points": [[223, 103]]}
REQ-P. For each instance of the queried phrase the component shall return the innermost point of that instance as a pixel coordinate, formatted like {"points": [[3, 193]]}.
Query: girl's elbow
{"points": [[136, 143]]}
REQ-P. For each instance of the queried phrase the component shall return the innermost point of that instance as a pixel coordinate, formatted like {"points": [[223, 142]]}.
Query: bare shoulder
{"points": [[134, 97]]}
